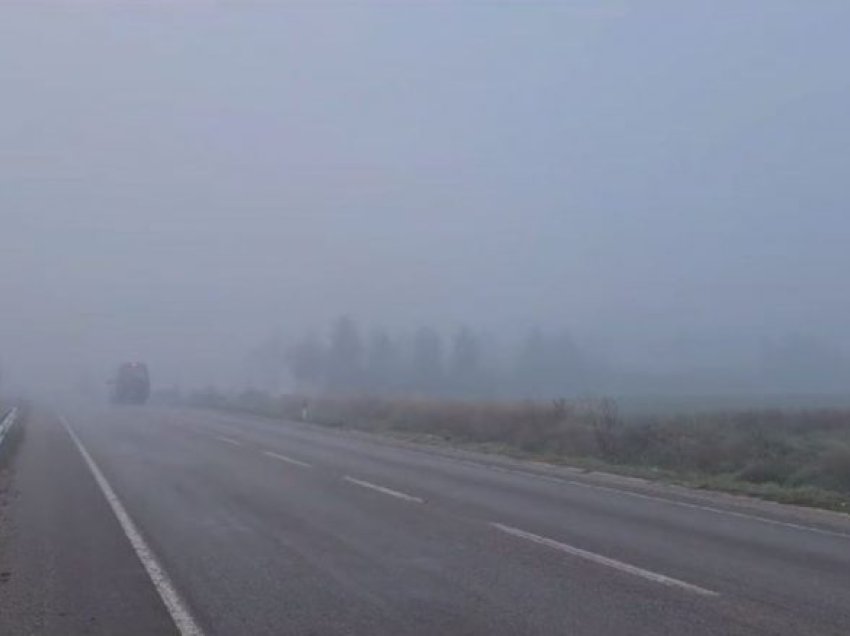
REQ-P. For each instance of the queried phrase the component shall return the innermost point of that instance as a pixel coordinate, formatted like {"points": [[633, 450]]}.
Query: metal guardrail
{"points": [[7, 422]]}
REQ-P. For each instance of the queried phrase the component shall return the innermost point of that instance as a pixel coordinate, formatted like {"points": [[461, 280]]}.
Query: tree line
{"points": [[464, 362]]}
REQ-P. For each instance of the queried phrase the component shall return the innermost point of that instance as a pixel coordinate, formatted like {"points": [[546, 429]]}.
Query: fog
{"points": [[666, 182]]}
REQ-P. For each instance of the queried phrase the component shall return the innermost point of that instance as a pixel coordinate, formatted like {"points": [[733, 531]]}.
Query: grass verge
{"points": [[799, 457]]}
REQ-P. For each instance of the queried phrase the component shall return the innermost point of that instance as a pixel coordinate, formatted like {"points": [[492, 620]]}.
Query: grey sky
{"points": [[176, 184]]}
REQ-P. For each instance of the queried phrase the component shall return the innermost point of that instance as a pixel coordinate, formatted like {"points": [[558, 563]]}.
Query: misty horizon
{"points": [[663, 183]]}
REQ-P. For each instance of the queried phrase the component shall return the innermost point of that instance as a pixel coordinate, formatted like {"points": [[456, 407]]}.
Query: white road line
{"points": [[229, 440], [720, 511], [612, 489], [7, 423], [175, 605], [289, 460], [602, 560], [664, 500], [386, 491], [622, 491]]}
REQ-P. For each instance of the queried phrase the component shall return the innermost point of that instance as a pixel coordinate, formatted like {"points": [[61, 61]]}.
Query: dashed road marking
{"points": [[7, 422], [229, 440], [288, 460], [603, 560], [382, 489]]}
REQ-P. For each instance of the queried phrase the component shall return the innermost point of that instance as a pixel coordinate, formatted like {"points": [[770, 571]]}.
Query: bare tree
{"points": [[382, 362], [427, 362], [345, 356], [306, 361]]}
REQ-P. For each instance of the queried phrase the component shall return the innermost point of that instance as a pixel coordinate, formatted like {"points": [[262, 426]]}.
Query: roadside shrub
{"points": [[832, 470], [760, 471]]}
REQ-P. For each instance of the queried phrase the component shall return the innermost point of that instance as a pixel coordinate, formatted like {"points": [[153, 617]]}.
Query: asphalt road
{"points": [[158, 521]]}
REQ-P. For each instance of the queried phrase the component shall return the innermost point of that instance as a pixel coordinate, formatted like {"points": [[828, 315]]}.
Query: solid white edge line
{"points": [[286, 459], [382, 489], [712, 509], [602, 560], [612, 489], [229, 440], [177, 608], [672, 502]]}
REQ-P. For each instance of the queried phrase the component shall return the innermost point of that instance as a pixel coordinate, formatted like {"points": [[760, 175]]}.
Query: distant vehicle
{"points": [[131, 384]]}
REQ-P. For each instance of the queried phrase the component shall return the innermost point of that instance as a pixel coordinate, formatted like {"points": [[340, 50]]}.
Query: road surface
{"points": [[162, 521]]}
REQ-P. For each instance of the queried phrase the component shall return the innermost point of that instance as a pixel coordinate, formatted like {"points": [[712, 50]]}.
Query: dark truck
{"points": [[131, 384]]}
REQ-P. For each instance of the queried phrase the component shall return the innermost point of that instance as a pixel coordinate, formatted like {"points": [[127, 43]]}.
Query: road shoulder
{"points": [[66, 567], [819, 519]]}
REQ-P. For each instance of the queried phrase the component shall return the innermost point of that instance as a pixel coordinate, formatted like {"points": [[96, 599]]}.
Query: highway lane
{"points": [[277, 528], [65, 566]]}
